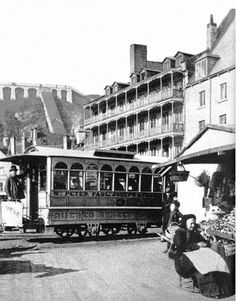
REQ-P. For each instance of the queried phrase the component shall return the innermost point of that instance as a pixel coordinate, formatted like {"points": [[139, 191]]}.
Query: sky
{"points": [[85, 43]]}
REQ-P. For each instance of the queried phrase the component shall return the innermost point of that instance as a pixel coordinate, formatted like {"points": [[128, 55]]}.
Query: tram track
{"points": [[50, 240]]}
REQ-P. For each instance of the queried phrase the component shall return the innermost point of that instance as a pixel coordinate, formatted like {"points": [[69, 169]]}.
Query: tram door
{"points": [[34, 199]]}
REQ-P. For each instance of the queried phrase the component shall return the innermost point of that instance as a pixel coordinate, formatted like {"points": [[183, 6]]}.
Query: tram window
{"points": [[120, 178], [91, 179], [76, 176], [133, 179], [42, 176], [146, 179], [106, 178], [60, 176], [157, 182]]}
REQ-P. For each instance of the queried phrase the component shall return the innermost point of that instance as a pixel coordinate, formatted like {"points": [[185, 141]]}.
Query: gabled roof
{"points": [[206, 54], [134, 73], [150, 70], [169, 58], [184, 53], [208, 146], [224, 26], [120, 84]]}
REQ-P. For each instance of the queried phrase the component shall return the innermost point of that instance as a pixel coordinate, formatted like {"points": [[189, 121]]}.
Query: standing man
{"points": [[13, 186]]}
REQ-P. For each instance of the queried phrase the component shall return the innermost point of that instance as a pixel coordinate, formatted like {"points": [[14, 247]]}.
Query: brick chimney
{"points": [[13, 145], [211, 33], [138, 57], [23, 142], [34, 136], [65, 141], [5, 141]]}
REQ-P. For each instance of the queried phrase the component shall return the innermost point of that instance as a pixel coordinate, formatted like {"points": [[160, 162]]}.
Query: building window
{"points": [[1, 171], [141, 125], [202, 96], [115, 88], [134, 79], [223, 91], [153, 122], [201, 124], [103, 136], [121, 131], [178, 61], [131, 128], [1, 186], [201, 69], [143, 75], [166, 119], [166, 66], [222, 119]]}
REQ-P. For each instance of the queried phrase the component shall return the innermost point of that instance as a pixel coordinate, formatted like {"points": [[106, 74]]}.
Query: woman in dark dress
{"points": [[187, 238]]}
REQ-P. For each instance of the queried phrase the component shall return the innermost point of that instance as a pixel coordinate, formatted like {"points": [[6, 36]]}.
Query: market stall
{"points": [[216, 190]]}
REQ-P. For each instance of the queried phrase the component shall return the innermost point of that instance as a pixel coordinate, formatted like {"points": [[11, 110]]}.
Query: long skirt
{"points": [[213, 284]]}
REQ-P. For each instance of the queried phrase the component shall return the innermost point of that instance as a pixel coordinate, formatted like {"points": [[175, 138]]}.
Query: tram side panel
{"points": [[104, 207]]}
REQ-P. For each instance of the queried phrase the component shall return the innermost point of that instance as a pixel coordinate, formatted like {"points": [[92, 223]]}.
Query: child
{"points": [[174, 216]]}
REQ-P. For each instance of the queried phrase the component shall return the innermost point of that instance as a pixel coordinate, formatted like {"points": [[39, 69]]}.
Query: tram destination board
{"points": [[64, 216]]}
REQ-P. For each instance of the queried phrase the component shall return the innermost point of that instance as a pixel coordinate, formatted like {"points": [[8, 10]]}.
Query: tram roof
{"points": [[44, 151]]}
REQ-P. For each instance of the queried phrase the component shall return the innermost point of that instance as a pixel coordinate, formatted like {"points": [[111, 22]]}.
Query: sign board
{"points": [[11, 213]]}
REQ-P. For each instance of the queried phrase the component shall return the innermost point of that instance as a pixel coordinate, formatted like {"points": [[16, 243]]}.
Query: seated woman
{"points": [[213, 284]]}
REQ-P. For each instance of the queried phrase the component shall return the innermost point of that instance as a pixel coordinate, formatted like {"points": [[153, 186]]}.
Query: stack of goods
{"points": [[224, 224], [222, 230]]}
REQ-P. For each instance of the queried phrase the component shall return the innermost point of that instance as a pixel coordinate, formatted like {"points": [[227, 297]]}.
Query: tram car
{"points": [[85, 192]]}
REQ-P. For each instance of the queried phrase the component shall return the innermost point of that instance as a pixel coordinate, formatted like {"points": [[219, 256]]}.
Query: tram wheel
{"points": [[107, 230], [116, 229], [132, 229], [142, 231], [64, 232], [82, 231]]}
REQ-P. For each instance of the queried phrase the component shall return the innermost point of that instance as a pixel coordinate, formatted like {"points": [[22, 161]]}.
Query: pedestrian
{"points": [[174, 216], [168, 197], [14, 187]]}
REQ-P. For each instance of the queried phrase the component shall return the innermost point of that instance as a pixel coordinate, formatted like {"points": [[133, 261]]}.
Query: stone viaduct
{"points": [[15, 91]]}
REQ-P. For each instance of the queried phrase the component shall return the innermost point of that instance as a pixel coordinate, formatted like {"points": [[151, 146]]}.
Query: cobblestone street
{"points": [[119, 270]]}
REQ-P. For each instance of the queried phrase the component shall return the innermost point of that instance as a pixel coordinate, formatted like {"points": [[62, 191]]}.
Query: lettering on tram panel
{"points": [[72, 215], [128, 194]]}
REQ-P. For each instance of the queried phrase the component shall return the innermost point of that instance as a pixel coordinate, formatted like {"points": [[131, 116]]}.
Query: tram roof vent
{"points": [[114, 154]]}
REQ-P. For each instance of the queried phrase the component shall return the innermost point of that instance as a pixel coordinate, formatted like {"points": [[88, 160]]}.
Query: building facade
{"points": [[146, 115], [167, 103], [210, 93]]}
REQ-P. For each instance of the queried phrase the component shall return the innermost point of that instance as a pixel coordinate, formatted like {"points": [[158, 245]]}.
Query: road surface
{"points": [[104, 270]]}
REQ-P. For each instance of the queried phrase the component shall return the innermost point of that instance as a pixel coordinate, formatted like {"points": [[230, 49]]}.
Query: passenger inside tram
{"points": [[76, 184], [60, 178], [133, 185], [119, 184]]}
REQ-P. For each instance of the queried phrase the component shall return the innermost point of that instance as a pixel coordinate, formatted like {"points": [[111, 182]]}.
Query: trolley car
{"points": [[85, 192]]}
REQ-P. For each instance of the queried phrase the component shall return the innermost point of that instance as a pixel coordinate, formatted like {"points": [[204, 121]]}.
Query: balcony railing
{"points": [[115, 139], [153, 97]]}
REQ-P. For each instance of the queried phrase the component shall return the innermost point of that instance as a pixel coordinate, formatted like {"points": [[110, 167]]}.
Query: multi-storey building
{"points": [[145, 115], [210, 93]]}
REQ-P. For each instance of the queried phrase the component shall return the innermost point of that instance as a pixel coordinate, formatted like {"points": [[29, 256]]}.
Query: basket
{"points": [[179, 176], [170, 231]]}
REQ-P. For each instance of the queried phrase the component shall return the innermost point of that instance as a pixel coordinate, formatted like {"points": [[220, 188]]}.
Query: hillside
{"points": [[23, 115], [18, 116]]}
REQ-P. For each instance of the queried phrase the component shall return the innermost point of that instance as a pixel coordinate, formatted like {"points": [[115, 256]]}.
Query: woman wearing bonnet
{"points": [[191, 261]]}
